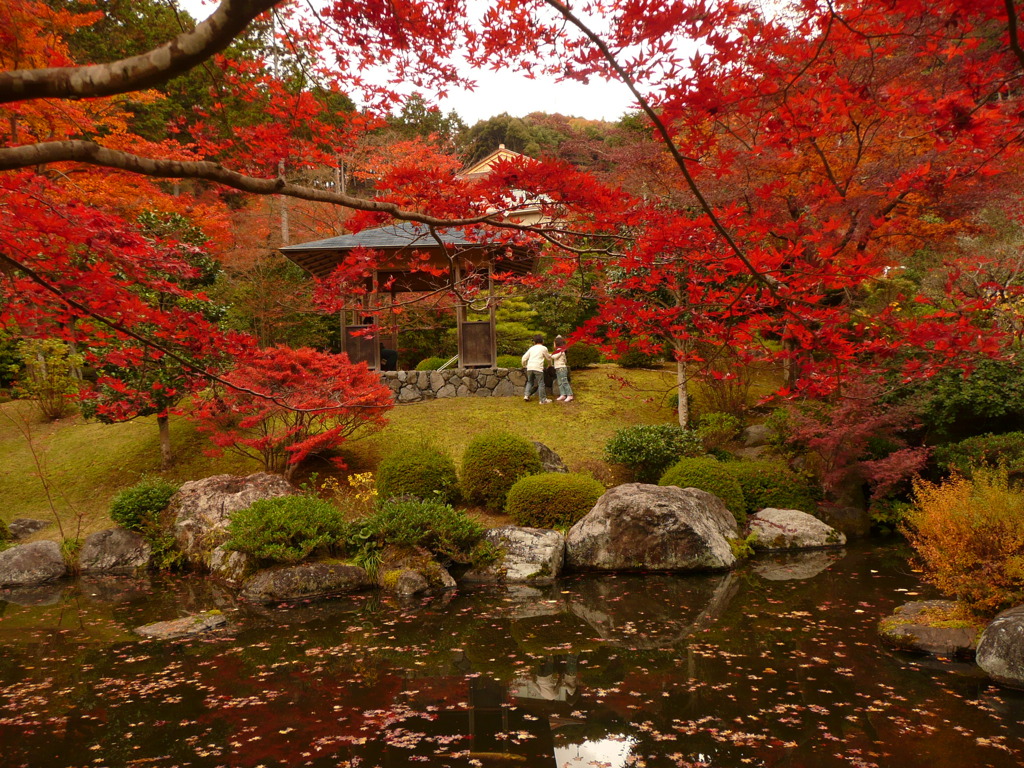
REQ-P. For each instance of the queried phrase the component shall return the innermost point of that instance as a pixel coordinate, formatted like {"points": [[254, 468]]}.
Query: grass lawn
{"points": [[86, 463]]}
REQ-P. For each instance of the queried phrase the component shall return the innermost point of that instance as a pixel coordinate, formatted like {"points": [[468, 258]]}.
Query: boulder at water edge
{"points": [[923, 626], [202, 509], [529, 555], [1001, 648], [29, 564], [789, 529], [637, 527], [114, 550], [304, 581], [408, 571], [190, 625]]}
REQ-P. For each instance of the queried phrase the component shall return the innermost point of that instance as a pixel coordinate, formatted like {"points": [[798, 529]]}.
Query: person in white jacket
{"points": [[533, 362], [562, 370]]}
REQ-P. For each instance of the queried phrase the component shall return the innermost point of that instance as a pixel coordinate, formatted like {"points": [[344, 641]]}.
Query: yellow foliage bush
{"points": [[968, 536]]}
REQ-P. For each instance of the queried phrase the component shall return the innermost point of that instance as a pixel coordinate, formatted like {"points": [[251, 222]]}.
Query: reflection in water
{"points": [[655, 670], [801, 565]]}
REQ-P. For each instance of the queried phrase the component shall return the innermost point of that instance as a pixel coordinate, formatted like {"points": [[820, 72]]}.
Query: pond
{"points": [[777, 664]]}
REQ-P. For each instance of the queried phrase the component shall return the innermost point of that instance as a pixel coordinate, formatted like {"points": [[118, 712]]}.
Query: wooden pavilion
{"points": [[414, 262]]}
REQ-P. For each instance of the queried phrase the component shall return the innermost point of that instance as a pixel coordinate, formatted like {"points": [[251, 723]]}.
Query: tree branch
{"points": [[136, 72]]}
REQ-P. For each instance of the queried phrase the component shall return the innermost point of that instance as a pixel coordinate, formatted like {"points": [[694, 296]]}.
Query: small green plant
{"points": [[768, 483], [743, 548], [430, 364], [422, 471], [50, 376], [5, 532], [552, 499], [138, 507], [650, 449], [492, 464], [449, 534], [968, 537], [709, 475], [286, 529], [69, 551]]}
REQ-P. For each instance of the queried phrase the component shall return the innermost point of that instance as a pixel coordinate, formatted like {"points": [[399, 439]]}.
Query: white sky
{"points": [[506, 91]]}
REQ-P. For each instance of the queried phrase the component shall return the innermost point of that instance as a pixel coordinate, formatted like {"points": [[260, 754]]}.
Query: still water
{"points": [[777, 664]]}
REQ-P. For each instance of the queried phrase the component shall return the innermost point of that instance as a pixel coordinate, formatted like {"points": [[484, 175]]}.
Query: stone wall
{"points": [[413, 386]]}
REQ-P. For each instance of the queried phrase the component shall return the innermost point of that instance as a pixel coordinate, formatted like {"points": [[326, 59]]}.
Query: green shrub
{"points": [[649, 449], [50, 376], [509, 361], [422, 471], [449, 534], [992, 450], [634, 358], [492, 464], [285, 529], [717, 430], [582, 356], [430, 364], [767, 483], [552, 499], [709, 475], [968, 536], [138, 508]]}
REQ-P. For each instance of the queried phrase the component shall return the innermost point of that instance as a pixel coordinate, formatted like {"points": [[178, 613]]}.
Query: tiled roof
{"points": [[402, 234]]}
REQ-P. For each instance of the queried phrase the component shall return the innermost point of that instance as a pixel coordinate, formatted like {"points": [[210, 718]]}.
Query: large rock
{"points": [[23, 527], [529, 555], [28, 564], [1001, 648], [649, 527], [789, 529], [114, 550], [190, 625], [201, 509], [923, 626], [306, 580]]}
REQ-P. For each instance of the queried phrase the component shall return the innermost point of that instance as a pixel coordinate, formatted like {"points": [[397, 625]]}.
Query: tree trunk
{"points": [[164, 425], [684, 395]]}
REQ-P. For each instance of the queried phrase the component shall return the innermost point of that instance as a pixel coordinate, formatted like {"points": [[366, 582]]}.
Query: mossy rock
{"points": [[938, 627]]}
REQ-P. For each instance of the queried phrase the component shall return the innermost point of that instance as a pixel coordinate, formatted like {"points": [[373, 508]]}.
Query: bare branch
{"points": [[136, 72]]}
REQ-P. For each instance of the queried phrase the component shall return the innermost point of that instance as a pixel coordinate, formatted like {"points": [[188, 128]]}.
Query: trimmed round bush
{"points": [[421, 471], [582, 356], [709, 475], [430, 364], [650, 449], [492, 464], [634, 358], [509, 361], [285, 529], [552, 499], [138, 507], [772, 484]]}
